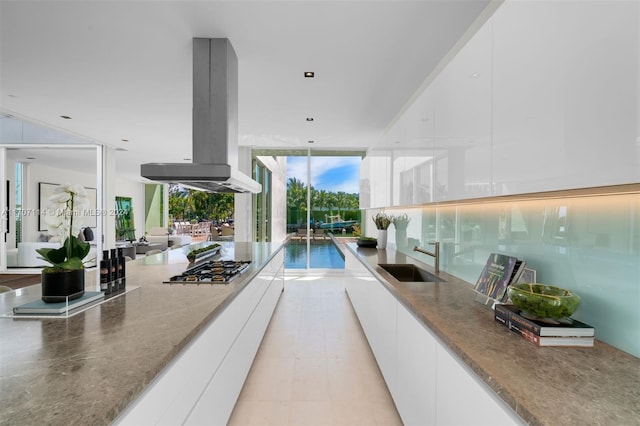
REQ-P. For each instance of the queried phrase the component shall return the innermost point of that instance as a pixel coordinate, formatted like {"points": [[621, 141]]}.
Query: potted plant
{"points": [[367, 242], [382, 221], [64, 279], [207, 251]]}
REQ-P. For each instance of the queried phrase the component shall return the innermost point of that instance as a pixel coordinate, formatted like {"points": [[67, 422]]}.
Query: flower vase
{"points": [[401, 239], [60, 286], [382, 239]]}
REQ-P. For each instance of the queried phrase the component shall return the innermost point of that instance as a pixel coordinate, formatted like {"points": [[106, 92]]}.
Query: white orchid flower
{"points": [[59, 197], [64, 217]]}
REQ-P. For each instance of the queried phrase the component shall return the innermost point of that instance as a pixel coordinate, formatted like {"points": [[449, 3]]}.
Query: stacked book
{"points": [[569, 332], [39, 307]]}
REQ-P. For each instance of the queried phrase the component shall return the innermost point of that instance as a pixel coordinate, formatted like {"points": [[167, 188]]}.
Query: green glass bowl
{"points": [[543, 300]]}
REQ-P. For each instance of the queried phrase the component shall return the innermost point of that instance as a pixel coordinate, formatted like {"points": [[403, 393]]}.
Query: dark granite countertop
{"points": [[543, 385], [88, 368]]}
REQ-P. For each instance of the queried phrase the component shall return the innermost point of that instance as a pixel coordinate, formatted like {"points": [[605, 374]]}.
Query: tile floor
{"points": [[314, 365]]}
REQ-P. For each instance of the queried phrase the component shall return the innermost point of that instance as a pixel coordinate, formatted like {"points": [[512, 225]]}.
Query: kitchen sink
{"points": [[409, 272]]}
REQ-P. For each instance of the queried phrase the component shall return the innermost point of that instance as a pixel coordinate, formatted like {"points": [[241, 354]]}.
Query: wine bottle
{"points": [[122, 269], [115, 269], [105, 272]]}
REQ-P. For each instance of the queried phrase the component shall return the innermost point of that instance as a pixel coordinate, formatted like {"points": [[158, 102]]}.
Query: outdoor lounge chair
{"points": [[319, 234], [302, 234]]}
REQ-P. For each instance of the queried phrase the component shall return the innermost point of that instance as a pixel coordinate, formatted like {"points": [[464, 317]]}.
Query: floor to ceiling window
{"points": [[262, 202], [322, 198]]}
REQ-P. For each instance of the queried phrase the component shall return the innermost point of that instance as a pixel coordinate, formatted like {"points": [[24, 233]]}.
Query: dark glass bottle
{"points": [[115, 269], [122, 269], [105, 272]]}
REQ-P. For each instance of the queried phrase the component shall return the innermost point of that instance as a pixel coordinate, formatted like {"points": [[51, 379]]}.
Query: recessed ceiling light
{"points": [[474, 75], [12, 96], [124, 140], [31, 158], [66, 117], [309, 74], [309, 118]]}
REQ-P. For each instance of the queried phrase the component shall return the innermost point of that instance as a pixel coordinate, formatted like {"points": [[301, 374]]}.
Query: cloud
{"points": [[333, 174]]}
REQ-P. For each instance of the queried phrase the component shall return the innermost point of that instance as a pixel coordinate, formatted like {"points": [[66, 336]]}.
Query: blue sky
{"points": [[332, 174]]}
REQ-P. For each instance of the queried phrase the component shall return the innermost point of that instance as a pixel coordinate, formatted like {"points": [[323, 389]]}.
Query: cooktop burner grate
{"points": [[211, 272]]}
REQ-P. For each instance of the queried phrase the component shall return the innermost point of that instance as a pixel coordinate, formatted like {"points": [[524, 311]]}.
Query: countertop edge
{"points": [[242, 281]]}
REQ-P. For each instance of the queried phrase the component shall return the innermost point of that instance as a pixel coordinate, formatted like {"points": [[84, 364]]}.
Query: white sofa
{"points": [[29, 258], [159, 234], [12, 257]]}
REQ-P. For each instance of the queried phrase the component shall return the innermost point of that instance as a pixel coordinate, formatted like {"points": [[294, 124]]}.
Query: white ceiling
{"points": [[122, 69]]}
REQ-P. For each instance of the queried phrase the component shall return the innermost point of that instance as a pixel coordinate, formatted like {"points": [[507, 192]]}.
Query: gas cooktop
{"points": [[211, 272]]}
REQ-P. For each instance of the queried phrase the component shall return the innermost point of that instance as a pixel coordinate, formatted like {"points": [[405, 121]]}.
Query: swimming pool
{"points": [[324, 254]]}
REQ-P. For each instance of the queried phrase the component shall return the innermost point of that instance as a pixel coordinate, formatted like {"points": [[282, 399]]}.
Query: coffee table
{"points": [[143, 248]]}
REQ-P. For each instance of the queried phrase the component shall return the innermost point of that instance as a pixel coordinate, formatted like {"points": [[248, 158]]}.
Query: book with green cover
{"points": [[41, 307], [499, 271]]}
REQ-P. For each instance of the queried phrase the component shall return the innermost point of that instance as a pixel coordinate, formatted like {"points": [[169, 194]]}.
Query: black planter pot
{"points": [[58, 286]]}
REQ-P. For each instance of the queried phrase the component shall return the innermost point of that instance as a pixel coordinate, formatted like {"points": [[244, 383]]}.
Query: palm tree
{"points": [[191, 204], [296, 199]]}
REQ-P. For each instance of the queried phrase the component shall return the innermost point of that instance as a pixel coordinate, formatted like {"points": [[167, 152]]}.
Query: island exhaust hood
{"points": [[215, 126]]}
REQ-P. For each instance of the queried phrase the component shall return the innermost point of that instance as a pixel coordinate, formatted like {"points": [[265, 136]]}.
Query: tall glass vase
{"points": [[382, 239], [401, 239]]}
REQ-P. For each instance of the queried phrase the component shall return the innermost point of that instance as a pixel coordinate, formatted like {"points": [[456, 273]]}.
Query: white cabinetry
{"points": [[204, 381], [415, 397], [462, 122], [217, 401], [428, 385], [545, 96], [376, 310], [565, 101], [462, 399], [375, 179], [383, 330]]}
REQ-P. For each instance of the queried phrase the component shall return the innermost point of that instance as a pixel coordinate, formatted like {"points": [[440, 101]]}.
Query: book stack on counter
{"points": [[566, 332]]}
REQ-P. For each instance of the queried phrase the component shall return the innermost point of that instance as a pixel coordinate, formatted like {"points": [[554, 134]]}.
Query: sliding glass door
{"points": [[322, 199]]}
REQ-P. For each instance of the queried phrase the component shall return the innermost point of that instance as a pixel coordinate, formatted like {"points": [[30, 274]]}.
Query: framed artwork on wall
{"points": [[124, 219], [46, 189]]}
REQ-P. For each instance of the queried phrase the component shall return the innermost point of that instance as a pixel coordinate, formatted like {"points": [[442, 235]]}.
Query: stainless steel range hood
{"points": [[215, 125]]}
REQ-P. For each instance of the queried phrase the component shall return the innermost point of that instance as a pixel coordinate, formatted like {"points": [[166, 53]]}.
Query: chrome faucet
{"points": [[435, 254]]}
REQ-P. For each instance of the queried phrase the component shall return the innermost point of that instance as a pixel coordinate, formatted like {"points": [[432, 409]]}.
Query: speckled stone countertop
{"points": [[543, 385], [86, 369]]}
